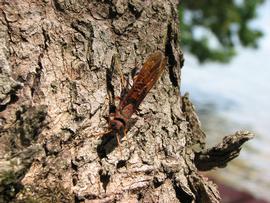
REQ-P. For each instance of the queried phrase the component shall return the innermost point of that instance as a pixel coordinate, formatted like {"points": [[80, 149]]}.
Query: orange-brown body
{"points": [[144, 81]]}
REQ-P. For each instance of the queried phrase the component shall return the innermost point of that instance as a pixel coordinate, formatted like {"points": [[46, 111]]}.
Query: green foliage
{"points": [[228, 21]]}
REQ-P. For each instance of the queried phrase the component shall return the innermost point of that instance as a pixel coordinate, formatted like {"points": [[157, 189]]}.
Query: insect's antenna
{"points": [[110, 87]]}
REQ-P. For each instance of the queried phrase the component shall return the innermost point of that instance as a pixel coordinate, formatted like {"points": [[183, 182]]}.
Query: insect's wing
{"points": [[145, 80]]}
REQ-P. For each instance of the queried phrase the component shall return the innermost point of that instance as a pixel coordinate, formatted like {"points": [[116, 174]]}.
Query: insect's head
{"points": [[117, 125]]}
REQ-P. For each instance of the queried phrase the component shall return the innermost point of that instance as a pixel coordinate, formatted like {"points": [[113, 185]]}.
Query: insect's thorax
{"points": [[120, 117]]}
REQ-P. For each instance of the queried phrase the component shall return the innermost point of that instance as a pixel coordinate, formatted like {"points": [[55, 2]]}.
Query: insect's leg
{"points": [[135, 71], [118, 98], [102, 133], [125, 132], [118, 141]]}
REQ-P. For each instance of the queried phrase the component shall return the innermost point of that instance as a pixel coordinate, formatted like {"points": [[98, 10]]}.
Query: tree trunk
{"points": [[56, 58]]}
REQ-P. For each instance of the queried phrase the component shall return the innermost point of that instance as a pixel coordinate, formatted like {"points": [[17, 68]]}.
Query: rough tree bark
{"points": [[55, 57]]}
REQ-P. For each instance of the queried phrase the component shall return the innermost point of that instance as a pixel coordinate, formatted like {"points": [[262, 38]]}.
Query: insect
{"points": [[143, 82]]}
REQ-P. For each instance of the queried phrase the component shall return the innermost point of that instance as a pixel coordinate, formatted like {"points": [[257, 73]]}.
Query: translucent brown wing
{"points": [[145, 80]]}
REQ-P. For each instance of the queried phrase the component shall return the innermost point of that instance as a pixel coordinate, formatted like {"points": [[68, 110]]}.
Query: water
{"points": [[237, 96]]}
